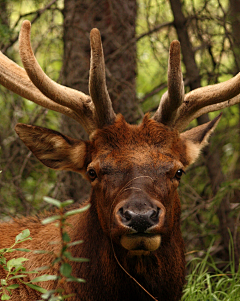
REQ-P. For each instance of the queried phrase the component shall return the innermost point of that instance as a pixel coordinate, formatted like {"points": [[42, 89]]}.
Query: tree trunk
{"points": [[116, 21], [212, 161]]}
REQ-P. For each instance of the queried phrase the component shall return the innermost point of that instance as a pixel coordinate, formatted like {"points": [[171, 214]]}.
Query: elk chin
{"points": [[140, 244]]}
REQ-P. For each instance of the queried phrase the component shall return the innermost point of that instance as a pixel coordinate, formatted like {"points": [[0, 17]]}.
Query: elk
{"points": [[132, 230]]}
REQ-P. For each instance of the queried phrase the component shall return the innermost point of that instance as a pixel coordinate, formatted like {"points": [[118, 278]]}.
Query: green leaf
{"points": [[48, 294], [23, 235], [66, 203], [64, 248], [56, 298], [66, 237], [2, 261], [45, 278], [79, 259], [52, 201], [31, 272], [42, 268], [56, 260], [50, 219], [19, 268], [17, 276], [23, 250], [74, 243], [36, 288], [69, 256], [80, 280], [66, 269], [13, 286], [3, 282], [10, 250], [68, 296], [15, 262], [41, 252], [76, 211], [5, 297]]}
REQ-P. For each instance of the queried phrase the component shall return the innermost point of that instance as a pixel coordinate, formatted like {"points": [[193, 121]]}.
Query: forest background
{"points": [[136, 37]]}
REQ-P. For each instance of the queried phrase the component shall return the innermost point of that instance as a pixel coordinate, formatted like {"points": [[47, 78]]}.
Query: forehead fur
{"points": [[151, 134]]}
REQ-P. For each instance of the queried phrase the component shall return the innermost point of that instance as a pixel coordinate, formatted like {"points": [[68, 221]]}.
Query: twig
{"points": [[136, 39], [38, 15]]}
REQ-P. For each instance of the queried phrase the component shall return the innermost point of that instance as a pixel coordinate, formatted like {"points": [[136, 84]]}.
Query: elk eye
{"points": [[179, 174], [92, 174]]}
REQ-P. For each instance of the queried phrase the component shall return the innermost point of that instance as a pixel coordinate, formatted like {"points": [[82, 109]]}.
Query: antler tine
{"points": [[182, 122], [78, 102], [15, 78], [173, 98], [208, 99], [97, 82]]}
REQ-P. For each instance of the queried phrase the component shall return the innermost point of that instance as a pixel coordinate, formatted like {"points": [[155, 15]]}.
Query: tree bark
{"points": [[116, 21], [212, 160]]}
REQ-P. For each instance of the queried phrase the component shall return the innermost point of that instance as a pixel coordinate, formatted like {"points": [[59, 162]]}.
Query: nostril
{"points": [[121, 211], [125, 214], [155, 215]]}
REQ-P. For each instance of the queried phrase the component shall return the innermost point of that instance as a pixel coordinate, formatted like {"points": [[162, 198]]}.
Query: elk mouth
{"points": [[141, 243]]}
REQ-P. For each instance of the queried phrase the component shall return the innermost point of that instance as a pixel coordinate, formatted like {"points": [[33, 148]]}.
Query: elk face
{"points": [[134, 172]]}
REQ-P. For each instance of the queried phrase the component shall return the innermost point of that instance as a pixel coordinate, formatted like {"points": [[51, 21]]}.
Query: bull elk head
{"points": [[134, 170]]}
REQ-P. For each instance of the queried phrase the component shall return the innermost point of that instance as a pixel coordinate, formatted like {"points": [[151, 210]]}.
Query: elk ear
{"points": [[52, 148], [197, 138]]}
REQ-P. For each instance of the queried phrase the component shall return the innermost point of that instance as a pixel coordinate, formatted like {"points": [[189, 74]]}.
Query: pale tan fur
{"points": [[150, 243], [194, 145]]}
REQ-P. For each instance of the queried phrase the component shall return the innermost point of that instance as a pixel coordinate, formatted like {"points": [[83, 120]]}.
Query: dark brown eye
{"points": [[92, 174], [179, 174]]}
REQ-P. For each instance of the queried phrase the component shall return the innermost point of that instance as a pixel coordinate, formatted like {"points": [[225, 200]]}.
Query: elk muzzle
{"points": [[142, 218]]}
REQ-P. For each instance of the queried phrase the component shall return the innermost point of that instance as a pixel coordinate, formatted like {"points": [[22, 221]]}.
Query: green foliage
{"points": [[64, 257], [15, 266], [226, 188], [26, 181], [206, 282], [5, 33], [152, 50]]}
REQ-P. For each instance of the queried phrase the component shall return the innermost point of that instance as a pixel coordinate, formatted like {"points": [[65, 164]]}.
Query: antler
{"points": [[15, 78], [97, 81], [178, 110], [208, 99], [36, 86], [173, 98], [96, 110]]}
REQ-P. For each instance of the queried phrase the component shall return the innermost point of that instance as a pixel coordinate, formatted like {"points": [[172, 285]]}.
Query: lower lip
{"points": [[141, 241]]}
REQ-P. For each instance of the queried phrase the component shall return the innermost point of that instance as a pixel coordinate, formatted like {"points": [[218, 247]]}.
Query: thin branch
{"points": [[38, 15], [153, 92], [155, 29], [136, 39]]}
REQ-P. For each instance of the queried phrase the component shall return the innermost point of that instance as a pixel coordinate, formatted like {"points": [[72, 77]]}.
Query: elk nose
{"points": [[140, 221]]}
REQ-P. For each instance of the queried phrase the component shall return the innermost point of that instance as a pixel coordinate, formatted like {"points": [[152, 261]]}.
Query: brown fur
{"points": [[135, 166]]}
